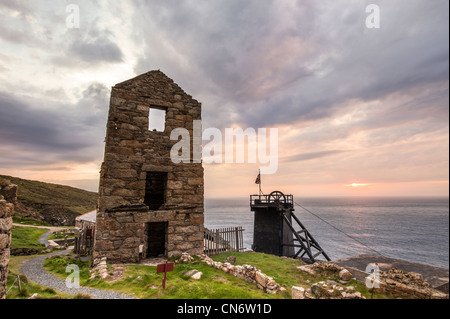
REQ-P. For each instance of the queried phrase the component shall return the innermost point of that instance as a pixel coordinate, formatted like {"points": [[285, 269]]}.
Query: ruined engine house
{"points": [[148, 205]]}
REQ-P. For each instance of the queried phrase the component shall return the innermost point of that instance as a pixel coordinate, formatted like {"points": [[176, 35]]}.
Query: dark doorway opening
{"points": [[155, 190], [156, 234]]}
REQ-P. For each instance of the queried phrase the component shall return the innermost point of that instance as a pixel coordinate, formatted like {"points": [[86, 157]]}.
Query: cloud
{"points": [[96, 47], [57, 132], [278, 62], [312, 155], [21, 6], [360, 102]]}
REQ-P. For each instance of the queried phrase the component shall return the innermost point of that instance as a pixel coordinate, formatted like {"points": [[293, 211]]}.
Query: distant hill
{"points": [[55, 204]]}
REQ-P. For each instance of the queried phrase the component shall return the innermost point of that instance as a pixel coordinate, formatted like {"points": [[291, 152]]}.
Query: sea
{"points": [[412, 229]]}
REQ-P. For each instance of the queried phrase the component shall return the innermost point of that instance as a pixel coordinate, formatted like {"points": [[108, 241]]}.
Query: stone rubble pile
{"points": [[325, 266], [326, 290], [329, 289], [100, 269], [248, 273], [395, 282], [185, 258], [402, 283]]}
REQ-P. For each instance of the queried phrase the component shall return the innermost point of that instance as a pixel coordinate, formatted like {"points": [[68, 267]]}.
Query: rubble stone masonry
{"points": [[6, 215], [148, 205]]}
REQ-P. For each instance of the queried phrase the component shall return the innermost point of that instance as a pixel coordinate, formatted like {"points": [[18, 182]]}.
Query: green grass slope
{"points": [[58, 204]]}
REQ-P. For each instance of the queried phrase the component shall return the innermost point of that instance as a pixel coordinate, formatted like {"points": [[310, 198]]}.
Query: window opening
{"points": [[155, 190], [157, 119]]}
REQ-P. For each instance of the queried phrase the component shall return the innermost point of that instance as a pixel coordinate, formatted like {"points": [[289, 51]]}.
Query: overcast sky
{"points": [[352, 104]]}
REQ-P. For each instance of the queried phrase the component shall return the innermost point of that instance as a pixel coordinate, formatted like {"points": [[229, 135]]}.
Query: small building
{"points": [[86, 220]]}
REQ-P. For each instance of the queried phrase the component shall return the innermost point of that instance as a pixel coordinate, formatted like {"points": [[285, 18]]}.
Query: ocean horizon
{"points": [[409, 228]]}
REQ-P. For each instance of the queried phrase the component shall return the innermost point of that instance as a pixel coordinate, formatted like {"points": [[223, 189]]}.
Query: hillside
{"points": [[55, 204]]}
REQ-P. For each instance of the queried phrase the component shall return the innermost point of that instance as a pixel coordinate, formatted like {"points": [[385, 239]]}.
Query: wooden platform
{"points": [[436, 276]]}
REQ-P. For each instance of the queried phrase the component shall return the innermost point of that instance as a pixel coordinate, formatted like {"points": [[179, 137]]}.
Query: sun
{"points": [[357, 184]]}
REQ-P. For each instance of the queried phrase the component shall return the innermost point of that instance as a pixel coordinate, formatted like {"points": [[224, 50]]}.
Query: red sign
{"points": [[164, 268], [167, 267]]}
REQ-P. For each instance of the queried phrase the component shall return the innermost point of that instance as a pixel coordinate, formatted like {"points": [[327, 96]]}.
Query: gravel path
{"points": [[44, 238], [35, 272]]}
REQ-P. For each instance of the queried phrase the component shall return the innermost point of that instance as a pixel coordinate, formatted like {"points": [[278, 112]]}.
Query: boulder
{"points": [[345, 275], [298, 292], [231, 260], [194, 274], [317, 290]]}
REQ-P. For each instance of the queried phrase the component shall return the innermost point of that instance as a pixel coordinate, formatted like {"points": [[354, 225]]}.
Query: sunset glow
{"points": [[359, 111], [357, 185]]}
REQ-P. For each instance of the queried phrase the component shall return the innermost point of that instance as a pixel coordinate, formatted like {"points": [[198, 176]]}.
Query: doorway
{"points": [[156, 238]]}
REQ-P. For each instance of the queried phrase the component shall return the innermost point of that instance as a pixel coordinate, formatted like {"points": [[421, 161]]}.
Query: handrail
{"points": [[264, 199]]}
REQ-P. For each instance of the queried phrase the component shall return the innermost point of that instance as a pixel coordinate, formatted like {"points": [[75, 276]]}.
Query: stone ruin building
{"points": [[148, 205]]}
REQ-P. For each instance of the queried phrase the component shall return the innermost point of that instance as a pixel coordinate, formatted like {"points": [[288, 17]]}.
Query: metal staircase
{"points": [[303, 241]]}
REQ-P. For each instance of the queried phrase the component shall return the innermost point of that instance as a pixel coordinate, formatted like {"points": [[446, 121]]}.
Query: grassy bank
{"points": [[28, 288], [144, 283], [56, 204], [27, 237]]}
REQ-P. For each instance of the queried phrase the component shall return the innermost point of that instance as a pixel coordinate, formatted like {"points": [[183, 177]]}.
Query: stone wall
{"points": [[6, 214], [9, 193], [248, 273], [132, 154]]}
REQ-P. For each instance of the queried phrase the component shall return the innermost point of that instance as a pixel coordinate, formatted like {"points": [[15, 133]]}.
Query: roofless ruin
{"points": [[148, 206]]}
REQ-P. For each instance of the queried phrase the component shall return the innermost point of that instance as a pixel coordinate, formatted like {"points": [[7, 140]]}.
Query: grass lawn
{"points": [[27, 237], [144, 283], [29, 221]]}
